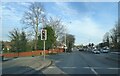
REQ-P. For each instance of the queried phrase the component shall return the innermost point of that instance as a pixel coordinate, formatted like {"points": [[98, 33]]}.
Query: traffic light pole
{"points": [[44, 37], [44, 49]]}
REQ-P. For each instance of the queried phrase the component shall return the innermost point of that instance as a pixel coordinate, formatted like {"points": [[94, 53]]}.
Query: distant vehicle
{"points": [[81, 49], [96, 51], [104, 50]]}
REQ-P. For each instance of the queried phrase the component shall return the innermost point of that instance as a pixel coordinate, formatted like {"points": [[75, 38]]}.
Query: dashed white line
{"points": [[57, 61], [69, 67], [86, 67], [114, 68]]}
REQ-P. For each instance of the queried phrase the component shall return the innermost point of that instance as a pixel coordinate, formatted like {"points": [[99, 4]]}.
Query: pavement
{"points": [[25, 65]]}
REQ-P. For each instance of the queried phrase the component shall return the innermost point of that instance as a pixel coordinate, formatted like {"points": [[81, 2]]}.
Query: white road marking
{"points": [[69, 67], [53, 70], [51, 67], [94, 71], [99, 68], [56, 70], [114, 68], [86, 67], [57, 61]]}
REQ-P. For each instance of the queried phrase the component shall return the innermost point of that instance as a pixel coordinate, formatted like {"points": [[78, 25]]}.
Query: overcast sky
{"points": [[87, 21]]}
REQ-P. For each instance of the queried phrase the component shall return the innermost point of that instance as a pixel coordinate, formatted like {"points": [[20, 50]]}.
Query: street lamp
{"points": [[66, 40], [65, 43]]}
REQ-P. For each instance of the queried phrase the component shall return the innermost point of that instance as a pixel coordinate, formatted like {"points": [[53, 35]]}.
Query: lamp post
{"points": [[66, 39], [65, 43]]}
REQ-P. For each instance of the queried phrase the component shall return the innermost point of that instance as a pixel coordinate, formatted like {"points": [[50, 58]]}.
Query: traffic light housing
{"points": [[43, 34]]}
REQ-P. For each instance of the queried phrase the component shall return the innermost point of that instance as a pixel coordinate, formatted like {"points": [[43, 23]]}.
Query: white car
{"points": [[105, 50], [95, 51]]}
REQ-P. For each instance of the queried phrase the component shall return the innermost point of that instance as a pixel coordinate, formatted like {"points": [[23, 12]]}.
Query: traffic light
{"points": [[43, 34]]}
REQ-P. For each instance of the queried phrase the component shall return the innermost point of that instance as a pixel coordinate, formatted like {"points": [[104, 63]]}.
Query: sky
{"points": [[87, 21]]}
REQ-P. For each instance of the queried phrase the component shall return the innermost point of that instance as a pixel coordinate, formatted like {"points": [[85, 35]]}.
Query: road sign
{"points": [[43, 34]]}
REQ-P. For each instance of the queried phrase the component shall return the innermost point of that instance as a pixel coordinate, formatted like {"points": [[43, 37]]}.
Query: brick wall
{"points": [[32, 53]]}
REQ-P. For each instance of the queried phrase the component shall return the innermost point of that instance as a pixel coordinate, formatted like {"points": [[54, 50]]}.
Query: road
{"points": [[77, 62], [82, 63]]}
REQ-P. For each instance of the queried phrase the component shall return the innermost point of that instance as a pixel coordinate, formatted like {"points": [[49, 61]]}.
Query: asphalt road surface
{"points": [[82, 63], [76, 62]]}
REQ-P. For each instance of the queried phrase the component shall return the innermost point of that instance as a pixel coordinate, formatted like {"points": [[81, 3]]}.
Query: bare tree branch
{"points": [[33, 18], [57, 26]]}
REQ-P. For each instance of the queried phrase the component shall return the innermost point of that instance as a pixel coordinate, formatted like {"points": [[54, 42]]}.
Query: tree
{"points": [[14, 36], [101, 45], [34, 18], [18, 40], [114, 36], [118, 36], [89, 44], [112, 39], [3, 48], [57, 26], [23, 41], [92, 44], [51, 39], [2, 45], [106, 39]]}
